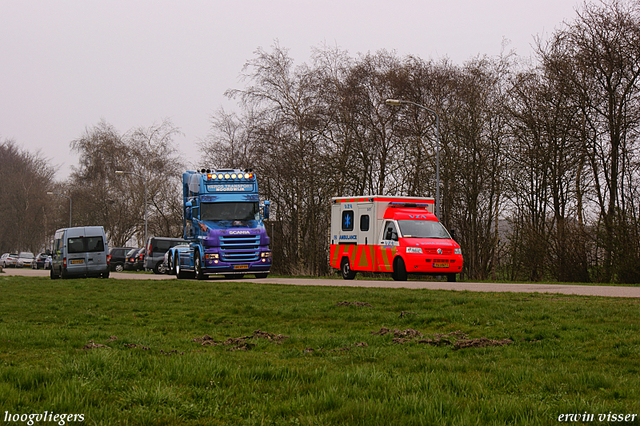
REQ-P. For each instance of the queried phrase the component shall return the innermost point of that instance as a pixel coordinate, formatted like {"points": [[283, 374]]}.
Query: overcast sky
{"points": [[67, 64]]}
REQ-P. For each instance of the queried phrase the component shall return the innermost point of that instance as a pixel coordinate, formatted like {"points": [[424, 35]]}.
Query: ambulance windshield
{"points": [[422, 229]]}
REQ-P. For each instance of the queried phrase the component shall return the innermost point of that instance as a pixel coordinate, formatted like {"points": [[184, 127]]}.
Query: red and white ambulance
{"points": [[400, 235]]}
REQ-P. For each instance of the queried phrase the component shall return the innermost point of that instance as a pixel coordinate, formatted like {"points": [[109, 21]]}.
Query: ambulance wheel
{"points": [[345, 268], [198, 267], [399, 270]]}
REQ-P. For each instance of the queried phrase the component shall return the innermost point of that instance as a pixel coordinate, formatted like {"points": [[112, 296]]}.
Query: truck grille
{"points": [[239, 248]]}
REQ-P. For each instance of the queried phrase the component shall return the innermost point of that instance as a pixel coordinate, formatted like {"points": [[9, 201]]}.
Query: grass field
{"points": [[216, 353]]}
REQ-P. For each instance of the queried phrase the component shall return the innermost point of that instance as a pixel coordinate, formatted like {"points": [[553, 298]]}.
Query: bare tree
{"points": [[25, 178]]}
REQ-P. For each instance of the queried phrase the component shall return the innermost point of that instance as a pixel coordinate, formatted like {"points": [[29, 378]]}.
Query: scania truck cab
{"points": [[223, 224], [397, 235]]}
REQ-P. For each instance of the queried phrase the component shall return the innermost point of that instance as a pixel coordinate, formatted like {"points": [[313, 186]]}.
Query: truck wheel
{"points": [[345, 268], [451, 278], [262, 275], [399, 270], [179, 273], [174, 265], [198, 266]]}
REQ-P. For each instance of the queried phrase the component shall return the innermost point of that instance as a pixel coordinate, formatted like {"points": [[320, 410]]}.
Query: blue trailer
{"points": [[223, 222]]}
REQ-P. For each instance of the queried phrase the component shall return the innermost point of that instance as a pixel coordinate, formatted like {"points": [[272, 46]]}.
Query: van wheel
{"points": [[54, 276], [451, 278], [345, 268], [105, 274], [399, 270], [198, 266]]}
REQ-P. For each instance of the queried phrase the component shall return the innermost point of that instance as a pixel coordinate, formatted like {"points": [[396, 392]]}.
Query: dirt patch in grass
{"points": [[93, 345], [456, 339], [241, 343], [362, 304]]}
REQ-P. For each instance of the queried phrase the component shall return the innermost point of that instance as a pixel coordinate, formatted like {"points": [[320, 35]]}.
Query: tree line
{"points": [[538, 159]]}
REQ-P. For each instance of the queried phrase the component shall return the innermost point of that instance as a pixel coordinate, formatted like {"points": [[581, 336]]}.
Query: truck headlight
{"points": [[457, 251], [211, 256], [414, 250], [265, 254]]}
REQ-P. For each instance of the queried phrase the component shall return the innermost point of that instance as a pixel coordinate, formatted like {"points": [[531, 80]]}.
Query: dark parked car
{"points": [[133, 261], [118, 257], [38, 262], [155, 250]]}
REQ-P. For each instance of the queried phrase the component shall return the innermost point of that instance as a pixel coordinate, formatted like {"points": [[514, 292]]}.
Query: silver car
{"points": [[25, 259], [9, 259]]}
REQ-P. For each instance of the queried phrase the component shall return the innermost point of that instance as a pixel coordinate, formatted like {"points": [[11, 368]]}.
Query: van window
{"points": [[347, 220], [85, 244]]}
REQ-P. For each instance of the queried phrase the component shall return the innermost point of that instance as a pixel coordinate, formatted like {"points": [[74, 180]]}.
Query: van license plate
{"points": [[76, 261], [440, 265], [240, 266]]}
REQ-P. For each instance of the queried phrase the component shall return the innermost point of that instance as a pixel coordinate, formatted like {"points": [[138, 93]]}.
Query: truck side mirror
{"points": [[266, 209], [453, 234]]}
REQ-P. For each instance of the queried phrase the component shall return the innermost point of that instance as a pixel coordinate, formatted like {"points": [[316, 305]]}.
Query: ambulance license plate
{"points": [[440, 264], [240, 266], [76, 261]]}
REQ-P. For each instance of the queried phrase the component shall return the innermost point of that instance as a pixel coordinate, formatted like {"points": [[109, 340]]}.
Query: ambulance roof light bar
{"points": [[401, 204]]}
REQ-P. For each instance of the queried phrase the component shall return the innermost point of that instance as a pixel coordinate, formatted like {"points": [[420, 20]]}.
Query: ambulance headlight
{"points": [[457, 251], [414, 250]]}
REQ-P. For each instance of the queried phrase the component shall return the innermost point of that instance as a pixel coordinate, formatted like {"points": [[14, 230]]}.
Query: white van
{"points": [[80, 252]]}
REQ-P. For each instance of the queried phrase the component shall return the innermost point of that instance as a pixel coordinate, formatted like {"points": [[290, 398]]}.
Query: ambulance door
{"points": [[389, 243], [365, 259]]}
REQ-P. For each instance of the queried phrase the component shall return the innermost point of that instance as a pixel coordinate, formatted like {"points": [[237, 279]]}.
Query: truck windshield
{"points": [[229, 211], [422, 229]]}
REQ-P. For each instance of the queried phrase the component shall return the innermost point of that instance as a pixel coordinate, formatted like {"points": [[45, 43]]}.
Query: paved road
{"points": [[583, 290]]}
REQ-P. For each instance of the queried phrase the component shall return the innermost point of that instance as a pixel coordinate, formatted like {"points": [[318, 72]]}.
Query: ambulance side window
{"points": [[364, 222], [347, 220], [390, 232]]}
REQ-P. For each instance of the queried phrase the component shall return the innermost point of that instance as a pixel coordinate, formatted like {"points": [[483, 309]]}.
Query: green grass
{"points": [[570, 354]]}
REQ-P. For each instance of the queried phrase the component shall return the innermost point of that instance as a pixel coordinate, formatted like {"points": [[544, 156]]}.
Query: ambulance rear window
{"points": [[364, 222]]}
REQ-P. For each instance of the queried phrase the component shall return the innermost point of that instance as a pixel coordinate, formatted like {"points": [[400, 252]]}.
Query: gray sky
{"points": [[67, 64]]}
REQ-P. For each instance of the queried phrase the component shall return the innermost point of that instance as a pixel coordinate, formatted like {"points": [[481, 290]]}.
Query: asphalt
{"points": [[582, 290]]}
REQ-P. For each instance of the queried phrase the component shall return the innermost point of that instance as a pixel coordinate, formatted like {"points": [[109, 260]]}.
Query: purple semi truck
{"points": [[223, 222]]}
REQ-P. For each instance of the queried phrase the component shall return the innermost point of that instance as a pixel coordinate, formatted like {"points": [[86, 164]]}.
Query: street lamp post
{"points": [[396, 102], [122, 172], [66, 196]]}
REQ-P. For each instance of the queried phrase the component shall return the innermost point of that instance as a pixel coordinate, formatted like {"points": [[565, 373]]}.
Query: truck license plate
{"points": [[240, 266], [440, 264], [76, 261]]}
